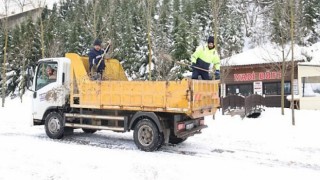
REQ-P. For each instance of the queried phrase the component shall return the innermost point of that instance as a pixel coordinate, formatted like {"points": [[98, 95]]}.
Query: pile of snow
{"points": [[270, 53], [268, 147]]}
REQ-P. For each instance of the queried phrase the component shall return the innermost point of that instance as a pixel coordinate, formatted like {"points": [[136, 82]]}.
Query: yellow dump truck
{"points": [[158, 112]]}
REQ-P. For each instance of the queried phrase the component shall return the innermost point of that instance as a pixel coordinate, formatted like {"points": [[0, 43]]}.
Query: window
{"points": [[242, 89], [275, 88], [311, 86], [46, 74]]}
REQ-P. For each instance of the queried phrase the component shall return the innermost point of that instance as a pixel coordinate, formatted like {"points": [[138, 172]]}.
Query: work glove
{"points": [[217, 74], [193, 65]]}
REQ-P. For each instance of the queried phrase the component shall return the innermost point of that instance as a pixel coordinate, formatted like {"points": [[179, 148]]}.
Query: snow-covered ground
{"points": [[268, 147]]}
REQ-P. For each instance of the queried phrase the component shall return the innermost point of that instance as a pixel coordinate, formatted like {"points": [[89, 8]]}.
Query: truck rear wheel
{"points": [[147, 136], [54, 125]]}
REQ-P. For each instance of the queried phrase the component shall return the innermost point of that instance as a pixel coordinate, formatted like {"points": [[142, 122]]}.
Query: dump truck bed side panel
{"points": [[192, 97], [205, 97]]}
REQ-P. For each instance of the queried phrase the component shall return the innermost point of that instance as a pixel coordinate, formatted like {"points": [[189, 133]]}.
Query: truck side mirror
{"points": [[29, 78]]}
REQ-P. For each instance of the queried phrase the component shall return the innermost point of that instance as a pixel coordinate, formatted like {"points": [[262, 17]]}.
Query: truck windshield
{"points": [[46, 74]]}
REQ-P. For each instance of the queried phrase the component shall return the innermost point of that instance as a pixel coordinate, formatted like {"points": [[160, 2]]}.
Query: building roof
{"points": [[271, 53], [15, 8]]}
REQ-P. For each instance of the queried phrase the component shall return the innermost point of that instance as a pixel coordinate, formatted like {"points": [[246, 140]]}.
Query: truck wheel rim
{"points": [[145, 135], [54, 125]]}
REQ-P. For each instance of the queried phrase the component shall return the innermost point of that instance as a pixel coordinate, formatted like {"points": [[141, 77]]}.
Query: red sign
{"points": [[257, 76]]}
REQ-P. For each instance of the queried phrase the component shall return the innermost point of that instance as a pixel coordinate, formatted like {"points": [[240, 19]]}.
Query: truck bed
{"points": [[195, 98]]}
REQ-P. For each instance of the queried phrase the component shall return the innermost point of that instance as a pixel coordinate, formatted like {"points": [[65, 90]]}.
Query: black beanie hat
{"points": [[211, 39], [97, 42]]}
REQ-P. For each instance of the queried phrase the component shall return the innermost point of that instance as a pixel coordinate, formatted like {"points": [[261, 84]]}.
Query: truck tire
{"points": [[54, 125], [147, 136], [89, 131], [176, 140]]}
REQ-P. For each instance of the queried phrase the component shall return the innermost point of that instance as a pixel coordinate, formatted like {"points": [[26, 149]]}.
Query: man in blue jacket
{"points": [[96, 60]]}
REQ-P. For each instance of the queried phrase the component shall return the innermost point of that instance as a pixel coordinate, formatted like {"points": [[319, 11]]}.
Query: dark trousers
{"points": [[196, 72]]}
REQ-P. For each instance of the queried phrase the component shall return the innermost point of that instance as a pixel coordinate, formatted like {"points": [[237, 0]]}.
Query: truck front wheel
{"points": [[54, 125], [147, 136]]}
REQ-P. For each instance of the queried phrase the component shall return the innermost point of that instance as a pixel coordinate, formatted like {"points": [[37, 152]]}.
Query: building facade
{"points": [[263, 79], [17, 19], [309, 85]]}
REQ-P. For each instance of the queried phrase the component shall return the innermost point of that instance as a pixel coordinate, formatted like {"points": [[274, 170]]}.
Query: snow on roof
{"points": [[270, 53], [312, 52]]}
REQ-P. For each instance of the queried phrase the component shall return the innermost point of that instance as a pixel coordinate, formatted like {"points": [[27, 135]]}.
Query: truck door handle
{"points": [[63, 78]]}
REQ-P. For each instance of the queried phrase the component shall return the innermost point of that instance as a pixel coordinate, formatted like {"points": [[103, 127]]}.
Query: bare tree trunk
{"points": [[149, 9], [292, 58], [216, 4], [282, 77], [280, 15], [94, 6], [215, 12], [93, 26], [42, 36], [111, 32], [282, 73], [4, 69], [21, 4]]}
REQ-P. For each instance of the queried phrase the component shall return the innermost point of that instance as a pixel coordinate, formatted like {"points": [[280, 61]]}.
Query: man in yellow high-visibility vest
{"points": [[202, 58]]}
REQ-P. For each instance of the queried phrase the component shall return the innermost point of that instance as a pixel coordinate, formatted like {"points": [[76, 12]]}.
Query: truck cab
{"points": [[50, 92]]}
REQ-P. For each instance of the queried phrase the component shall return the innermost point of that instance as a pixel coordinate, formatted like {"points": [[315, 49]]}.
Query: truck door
{"points": [[45, 84]]}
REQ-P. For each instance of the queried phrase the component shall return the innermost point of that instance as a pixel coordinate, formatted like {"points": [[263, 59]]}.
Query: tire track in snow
{"points": [[123, 143]]}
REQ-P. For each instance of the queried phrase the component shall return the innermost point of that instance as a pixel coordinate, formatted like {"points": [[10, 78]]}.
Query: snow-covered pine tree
{"points": [[75, 26], [14, 68], [34, 52], [139, 69], [27, 54], [5, 32], [183, 41], [280, 22], [181, 36], [126, 36], [203, 17], [310, 17], [163, 40], [230, 31], [52, 37]]}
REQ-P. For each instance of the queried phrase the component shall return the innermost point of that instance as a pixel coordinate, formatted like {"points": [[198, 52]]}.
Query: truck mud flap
{"points": [[191, 132]]}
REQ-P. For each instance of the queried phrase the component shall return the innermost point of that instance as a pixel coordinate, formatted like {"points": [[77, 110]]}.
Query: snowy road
{"points": [[264, 148]]}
